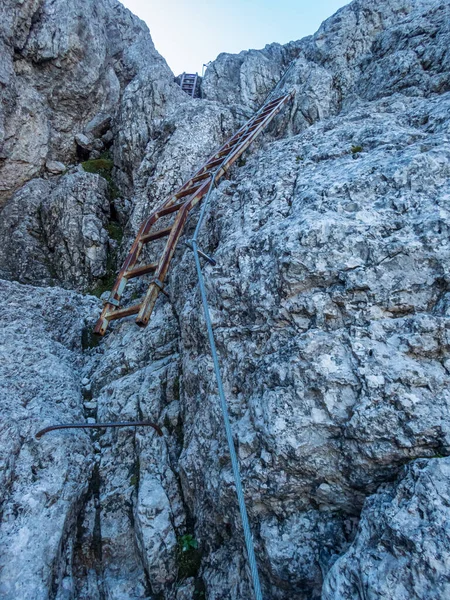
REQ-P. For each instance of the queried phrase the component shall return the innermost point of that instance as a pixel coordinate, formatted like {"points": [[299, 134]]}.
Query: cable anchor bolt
{"points": [[202, 254]]}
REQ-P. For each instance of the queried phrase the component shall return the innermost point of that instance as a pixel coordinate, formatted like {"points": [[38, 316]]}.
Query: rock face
{"points": [[62, 65], [403, 531], [43, 484], [330, 307], [56, 231]]}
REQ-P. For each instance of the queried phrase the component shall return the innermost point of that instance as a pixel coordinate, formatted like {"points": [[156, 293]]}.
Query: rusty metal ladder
{"points": [[188, 83], [178, 205]]}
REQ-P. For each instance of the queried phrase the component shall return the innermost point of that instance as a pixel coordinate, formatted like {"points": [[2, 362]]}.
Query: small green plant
{"points": [[299, 158], [356, 149], [187, 542], [101, 166], [188, 556], [103, 285]]}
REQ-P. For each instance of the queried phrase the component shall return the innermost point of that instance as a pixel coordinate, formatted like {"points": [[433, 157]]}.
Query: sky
{"points": [[192, 32]]}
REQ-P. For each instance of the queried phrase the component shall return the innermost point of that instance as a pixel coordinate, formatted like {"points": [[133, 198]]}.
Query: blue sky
{"points": [[194, 32]]}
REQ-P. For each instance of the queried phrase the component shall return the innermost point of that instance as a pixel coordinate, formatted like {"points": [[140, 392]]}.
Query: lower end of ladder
{"points": [[101, 326]]}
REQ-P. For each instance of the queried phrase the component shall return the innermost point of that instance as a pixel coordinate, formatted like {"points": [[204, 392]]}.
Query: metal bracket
{"points": [[213, 176], [112, 301], [202, 254], [160, 284]]}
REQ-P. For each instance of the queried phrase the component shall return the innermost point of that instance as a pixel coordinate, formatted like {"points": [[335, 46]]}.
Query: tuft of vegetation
{"points": [[105, 283], [103, 166], [99, 166], [187, 542], [356, 149], [299, 158], [188, 556]]}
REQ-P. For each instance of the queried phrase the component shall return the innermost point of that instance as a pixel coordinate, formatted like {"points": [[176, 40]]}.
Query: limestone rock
{"points": [[99, 125], [329, 303], [44, 483], [402, 548], [63, 65], [55, 167], [85, 142], [56, 232]]}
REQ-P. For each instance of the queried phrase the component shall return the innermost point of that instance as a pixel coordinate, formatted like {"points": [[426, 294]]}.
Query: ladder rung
{"points": [[201, 177], [276, 100], [139, 271], [123, 312], [170, 209], [215, 163], [224, 152], [187, 192], [155, 235]]}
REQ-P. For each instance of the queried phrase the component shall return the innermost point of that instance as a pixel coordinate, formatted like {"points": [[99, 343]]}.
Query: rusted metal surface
{"points": [[191, 193], [42, 432]]}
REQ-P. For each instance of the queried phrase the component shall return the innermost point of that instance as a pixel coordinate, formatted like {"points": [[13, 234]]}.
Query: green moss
{"points": [[115, 231], [104, 284], [103, 167], [356, 149]]}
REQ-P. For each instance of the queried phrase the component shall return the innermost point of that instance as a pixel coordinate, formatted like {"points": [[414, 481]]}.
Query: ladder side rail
{"points": [[130, 261], [240, 148], [164, 263]]}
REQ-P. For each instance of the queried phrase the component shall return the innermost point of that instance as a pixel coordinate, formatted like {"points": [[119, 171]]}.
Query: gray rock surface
{"points": [[55, 231], [43, 484], [330, 307], [402, 548], [64, 66]]}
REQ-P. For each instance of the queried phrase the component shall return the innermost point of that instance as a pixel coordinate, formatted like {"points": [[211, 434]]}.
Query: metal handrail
{"points": [[42, 432]]}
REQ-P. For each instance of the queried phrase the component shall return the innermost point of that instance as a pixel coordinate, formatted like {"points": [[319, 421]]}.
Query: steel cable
{"points": [[223, 404]]}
